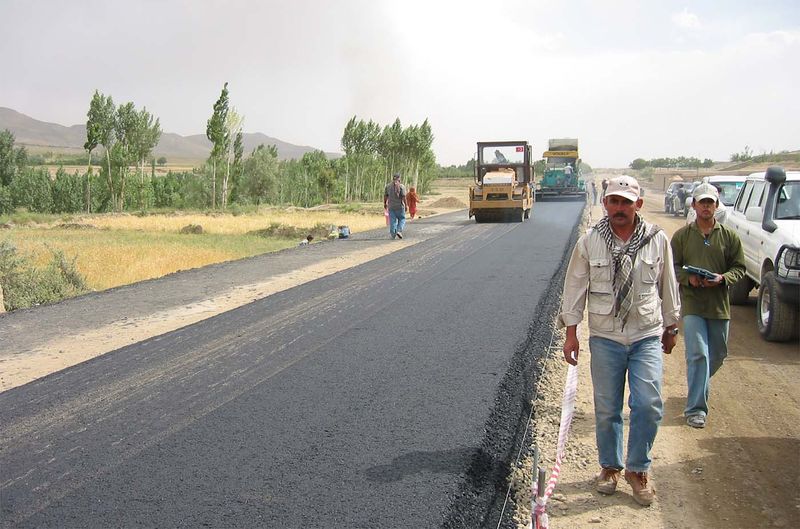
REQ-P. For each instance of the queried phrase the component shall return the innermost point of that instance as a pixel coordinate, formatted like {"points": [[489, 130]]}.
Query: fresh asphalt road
{"points": [[357, 400]]}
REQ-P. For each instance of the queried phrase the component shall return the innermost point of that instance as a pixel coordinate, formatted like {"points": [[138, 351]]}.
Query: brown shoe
{"points": [[606, 481], [643, 490]]}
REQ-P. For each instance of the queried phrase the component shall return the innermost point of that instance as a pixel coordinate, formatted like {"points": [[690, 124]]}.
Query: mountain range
{"points": [[41, 136]]}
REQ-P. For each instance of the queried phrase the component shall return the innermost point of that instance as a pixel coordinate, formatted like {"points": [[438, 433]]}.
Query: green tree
{"points": [[238, 166], [124, 151], [31, 190], [218, 135], [161, 161], [233, 126], [260, 179], [360, 144], [6, 202], [68, 192], [101, 129], [319, 169], [11, 160], [94, 135], [146, 134], [638, 164]]}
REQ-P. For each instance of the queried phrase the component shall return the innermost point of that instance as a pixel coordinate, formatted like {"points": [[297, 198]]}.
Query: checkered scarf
{"points": [[623, 261]]}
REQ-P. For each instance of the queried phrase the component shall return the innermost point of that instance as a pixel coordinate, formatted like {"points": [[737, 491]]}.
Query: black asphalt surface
{"points": [[391, 394]]}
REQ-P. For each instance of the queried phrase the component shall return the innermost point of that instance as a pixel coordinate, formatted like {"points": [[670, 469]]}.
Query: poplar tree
{"points": [[233, 128], [218, 135]]}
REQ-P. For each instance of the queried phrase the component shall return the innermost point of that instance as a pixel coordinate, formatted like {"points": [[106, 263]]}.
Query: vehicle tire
{"points": [[777, 321], [519, 215], [479, 219], [528, 213], [739, 293]]}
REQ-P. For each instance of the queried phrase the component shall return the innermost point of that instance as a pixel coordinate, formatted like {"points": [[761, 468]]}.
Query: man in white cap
{"points": [[622, 269], [705, 244]]}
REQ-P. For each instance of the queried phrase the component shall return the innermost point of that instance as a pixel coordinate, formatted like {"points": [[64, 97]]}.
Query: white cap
{"points": [[624, 186], [705, 191]]}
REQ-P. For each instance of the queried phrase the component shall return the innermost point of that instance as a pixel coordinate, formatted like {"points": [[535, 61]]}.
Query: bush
{"points": [[25, 286], [275, 229]]}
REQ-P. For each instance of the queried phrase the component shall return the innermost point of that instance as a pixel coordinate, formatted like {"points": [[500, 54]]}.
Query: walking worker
{"points": [[412, 199], [394, 201], [622, 269], [705, 305]]}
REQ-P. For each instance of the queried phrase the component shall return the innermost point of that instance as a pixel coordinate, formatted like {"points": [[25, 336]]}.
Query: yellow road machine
{"points": [[503, 176]]}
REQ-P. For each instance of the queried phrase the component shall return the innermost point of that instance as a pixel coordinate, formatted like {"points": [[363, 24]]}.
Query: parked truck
{"points": [[562, 171], [766, 216], [503, 177]]}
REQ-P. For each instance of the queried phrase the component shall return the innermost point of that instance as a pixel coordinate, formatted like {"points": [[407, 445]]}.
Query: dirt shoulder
{"points": [[741, 471]]}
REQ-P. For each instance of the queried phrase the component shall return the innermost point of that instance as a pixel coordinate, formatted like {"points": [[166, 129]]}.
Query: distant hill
{"points": [[40, 136]]}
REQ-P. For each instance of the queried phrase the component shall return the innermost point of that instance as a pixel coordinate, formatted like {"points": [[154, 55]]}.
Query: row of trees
{"points": [[681, 162], [747, 156], [373, 154], [128, 137]]}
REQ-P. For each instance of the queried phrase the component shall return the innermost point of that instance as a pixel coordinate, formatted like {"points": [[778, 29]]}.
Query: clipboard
{"points": [[702, 272]]}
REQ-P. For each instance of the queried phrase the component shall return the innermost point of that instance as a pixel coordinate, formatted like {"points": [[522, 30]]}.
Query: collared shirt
{"points": [[721, 252], [590, 279]]}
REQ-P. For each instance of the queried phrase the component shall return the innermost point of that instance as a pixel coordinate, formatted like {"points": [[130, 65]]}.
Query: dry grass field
{"points": [[118, 249]]}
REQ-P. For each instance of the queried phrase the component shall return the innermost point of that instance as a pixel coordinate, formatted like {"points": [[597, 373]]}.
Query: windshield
{"points": [[513, 154], [788, 206], [557, 162], [728, 191]]}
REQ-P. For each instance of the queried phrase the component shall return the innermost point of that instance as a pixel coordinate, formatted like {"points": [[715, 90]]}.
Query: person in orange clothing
{"points": [[411, 199]]}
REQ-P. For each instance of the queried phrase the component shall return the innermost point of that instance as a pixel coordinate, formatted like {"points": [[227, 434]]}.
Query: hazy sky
{"points": [[629, 78]]}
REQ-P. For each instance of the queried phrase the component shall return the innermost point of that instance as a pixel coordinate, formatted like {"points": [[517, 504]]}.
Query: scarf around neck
{"points": [[623, 260]]}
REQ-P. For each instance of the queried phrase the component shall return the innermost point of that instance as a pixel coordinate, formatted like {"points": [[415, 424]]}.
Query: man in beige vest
{"points": [[621, 270]]}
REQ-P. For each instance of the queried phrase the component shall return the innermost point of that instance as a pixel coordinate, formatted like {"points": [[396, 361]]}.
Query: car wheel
{"points": [[777, 321], [739, 292]]}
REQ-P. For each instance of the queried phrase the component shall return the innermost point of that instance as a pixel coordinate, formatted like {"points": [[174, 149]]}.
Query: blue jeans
{"points": [[397, 221], [706, 344], [643, 364]]}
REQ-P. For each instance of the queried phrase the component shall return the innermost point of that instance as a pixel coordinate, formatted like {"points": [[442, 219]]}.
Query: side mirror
{"points": [[754, 214]]}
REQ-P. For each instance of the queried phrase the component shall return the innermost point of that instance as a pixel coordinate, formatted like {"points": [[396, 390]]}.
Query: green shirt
{"points": [[722, 254]]}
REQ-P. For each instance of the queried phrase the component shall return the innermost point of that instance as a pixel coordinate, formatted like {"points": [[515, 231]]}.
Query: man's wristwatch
{"points": [[673, 332]]}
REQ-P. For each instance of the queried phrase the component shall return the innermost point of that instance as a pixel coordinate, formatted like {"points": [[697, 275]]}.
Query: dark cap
{"points": [[396, 176]]}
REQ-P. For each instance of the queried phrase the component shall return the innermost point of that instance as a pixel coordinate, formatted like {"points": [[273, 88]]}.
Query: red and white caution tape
{"points": [[539, 514]]}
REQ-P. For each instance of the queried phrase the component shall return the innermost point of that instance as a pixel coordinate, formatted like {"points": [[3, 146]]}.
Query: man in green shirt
{"points": [[705, 305]]}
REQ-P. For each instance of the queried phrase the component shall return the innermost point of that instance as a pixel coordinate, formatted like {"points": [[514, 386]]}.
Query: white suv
{"points": [[728, 187], [766, 216]]}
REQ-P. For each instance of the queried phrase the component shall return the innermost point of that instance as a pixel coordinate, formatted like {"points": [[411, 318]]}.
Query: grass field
{"points": [[118, 249], [114, 250]]}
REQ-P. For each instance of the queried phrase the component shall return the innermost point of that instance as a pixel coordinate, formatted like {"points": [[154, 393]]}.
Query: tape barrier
{"points": [[539, 515]]}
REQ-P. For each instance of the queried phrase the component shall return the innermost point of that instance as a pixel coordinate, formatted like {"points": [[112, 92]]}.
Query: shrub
{"points": [[25, 286], [275, 229]]}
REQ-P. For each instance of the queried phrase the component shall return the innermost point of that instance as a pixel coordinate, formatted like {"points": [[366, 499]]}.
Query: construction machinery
{"points": [[562, 171], [503, 178]]}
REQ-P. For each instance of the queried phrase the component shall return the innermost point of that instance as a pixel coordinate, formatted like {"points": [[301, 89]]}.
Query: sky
{"points": [[630, 79]]}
